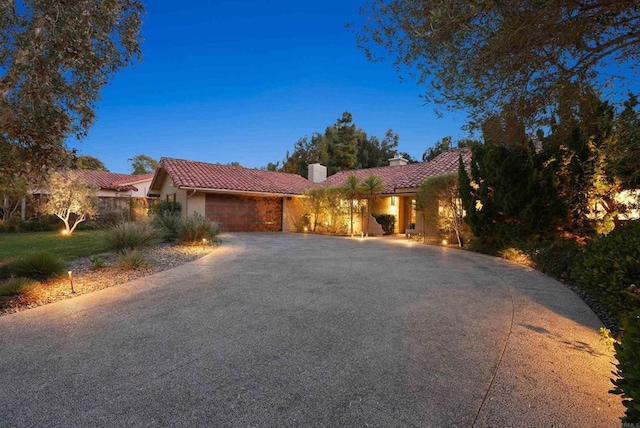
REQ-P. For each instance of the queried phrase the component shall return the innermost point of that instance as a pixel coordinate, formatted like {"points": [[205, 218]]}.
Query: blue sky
{"points": [[244, 80]]}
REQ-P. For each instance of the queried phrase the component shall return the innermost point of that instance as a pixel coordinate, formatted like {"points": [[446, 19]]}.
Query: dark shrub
{"points": [[387, 221], [169, 224], [39, 265], [628, 368], [166, 208], [556, 258], [609, 271]]}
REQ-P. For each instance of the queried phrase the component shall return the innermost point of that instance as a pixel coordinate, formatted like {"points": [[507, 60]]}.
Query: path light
{"points": [[306, 229], [444, 242], [71, 281], [204, 243]]}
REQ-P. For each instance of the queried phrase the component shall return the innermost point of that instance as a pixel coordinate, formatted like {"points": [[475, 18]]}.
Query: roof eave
{"points": [[239, 192]]}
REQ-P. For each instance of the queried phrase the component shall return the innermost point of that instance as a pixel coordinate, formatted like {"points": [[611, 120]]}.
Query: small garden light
{"points": [[204, 242], [444, 242], [71, 281], [64, 232]]}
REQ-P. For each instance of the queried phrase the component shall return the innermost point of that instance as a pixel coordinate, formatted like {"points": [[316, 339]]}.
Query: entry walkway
{"points": [[305, 330]]}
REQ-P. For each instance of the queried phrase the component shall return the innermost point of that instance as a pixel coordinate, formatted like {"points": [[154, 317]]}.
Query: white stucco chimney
{"points": [[317, 173], [398, 161]]}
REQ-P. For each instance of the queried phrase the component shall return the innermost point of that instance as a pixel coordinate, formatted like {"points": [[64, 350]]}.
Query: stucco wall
{"points": [[194, 202], [167, 189]]}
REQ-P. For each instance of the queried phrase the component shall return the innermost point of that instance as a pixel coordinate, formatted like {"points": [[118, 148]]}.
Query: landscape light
{"points": [[444, 242], [71, 281]]}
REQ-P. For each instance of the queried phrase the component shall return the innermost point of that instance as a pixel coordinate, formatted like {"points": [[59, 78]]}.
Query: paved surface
{"points": [[301, 330]]}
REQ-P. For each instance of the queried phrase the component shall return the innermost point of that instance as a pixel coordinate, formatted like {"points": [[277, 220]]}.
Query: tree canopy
{"points": [[143, 164], [90, 162], [71, 199], [54, 59], [342, 146], [485, 55]]}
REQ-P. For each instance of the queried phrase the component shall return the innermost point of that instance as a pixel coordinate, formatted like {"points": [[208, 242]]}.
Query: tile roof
{"points": [[201, 175], [405, 176], [109, 180]]}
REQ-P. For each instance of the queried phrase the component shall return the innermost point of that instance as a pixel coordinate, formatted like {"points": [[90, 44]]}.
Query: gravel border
{"points": [[86, 279]]}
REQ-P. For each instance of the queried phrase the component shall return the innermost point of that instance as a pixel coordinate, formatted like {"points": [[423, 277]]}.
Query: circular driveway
{"points": [[305, 330]]}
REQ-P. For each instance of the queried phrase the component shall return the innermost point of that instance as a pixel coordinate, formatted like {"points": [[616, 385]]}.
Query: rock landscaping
{"points": [[87, 278]]}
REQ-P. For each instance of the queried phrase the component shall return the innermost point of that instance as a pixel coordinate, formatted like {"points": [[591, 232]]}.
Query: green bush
{"points": [[18, 287], [131, 235], [628, 368], [96, 262], [132, 259], [554, 257], [196, 227], [609, 271], [387, 221], [169, 224], [39, 265], [163, 208]]}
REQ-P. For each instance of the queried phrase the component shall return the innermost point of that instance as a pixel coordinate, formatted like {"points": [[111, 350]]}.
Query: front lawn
{"points": [[80, 244]]}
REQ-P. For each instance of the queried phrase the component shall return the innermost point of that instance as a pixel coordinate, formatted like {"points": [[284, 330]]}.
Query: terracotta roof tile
{"points": [[405, 176], [108, 180], [185, 173]]}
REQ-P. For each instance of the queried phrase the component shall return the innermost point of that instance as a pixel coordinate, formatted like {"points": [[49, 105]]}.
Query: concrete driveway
{"points": [[302, 330]]}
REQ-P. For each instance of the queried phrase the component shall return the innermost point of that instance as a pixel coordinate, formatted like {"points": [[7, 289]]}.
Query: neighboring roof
{"points": [[405, 176], [109, 180], [201, 175], [136, 178]]}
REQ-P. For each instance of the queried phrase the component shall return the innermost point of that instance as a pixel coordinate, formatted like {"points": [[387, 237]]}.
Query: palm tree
{"points": [[372, 186], [352, 191]]}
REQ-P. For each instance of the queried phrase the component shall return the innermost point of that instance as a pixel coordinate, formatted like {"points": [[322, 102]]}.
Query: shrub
{"points": [[96, 262], [131, 235], [132, 259], [608, 270], [387, 221], [628, 368], [113, 218], [19, 286], [163, 208], [39, 265], [196, 227], [169, 225], [516, 255], [554, 257]]}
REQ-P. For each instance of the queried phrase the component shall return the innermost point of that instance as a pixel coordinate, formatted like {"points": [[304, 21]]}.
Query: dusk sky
{"points": [[244, 80]]}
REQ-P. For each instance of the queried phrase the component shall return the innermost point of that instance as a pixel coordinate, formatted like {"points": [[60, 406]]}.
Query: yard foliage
{"points": [[71, 199]]}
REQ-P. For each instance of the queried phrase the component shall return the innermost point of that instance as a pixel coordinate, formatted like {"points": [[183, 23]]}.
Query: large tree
{"points": [[90, 162], [143, 164], [55, 56], [485, 55], [342, 146]]}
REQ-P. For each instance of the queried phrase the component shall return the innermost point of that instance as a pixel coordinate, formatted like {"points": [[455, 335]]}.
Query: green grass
{"points": [[80, 244]]}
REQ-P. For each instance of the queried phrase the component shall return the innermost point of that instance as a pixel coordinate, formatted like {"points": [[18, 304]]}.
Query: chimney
{"points": [[317, 173], [398, 161]]}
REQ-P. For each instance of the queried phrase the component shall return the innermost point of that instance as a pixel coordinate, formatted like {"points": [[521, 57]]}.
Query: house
{"points": [[243, 199], [240, 199]]}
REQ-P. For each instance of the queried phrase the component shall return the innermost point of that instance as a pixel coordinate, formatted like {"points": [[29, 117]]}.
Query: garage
{"points": [[237, 213]]}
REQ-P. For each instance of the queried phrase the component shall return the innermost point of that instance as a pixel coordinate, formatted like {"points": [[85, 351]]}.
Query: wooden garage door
{"points": [[245, 213]]}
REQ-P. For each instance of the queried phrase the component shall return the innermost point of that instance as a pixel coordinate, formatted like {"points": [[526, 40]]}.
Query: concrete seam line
{"points": [[504, 347]]}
